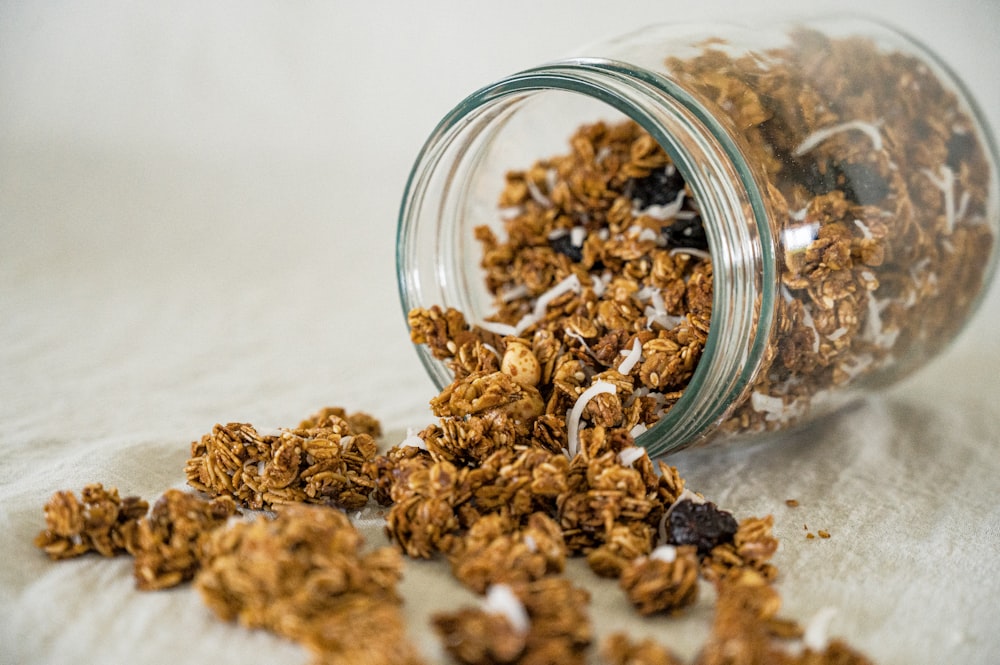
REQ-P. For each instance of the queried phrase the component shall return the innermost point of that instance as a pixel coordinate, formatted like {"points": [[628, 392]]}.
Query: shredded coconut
{"points": [[628, 456], [665, 211], [691, 251], [577, 236], [632, 357], [946, 183], [638, 430], [821, 135], [412, 440], [767, 404], [537, 194], [817, 631], [500, 599], [576, 413], [667, 553]]}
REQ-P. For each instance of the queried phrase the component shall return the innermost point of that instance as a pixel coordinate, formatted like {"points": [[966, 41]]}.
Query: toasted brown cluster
{"points": [[99, 521], [665, 581], [557, 628], [886, 193], [303, 575], [169, 540], [319, 464], [618, 649]]}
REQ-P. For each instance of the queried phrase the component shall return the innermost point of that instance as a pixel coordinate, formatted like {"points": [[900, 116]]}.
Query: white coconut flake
{"points": [[766, 404], [837, 334], [501, 600], [412, 440], [491, 349], [946, 183], [529, 542], [816, 635], [648, 234], [665, 211], [515, 292], [537, 194], [865, 231], [638, 430], [690, 251], [821, 135], [665, 553], [599, 285], [576, 413], [571, 283], [577, 235], [632, 359], [628, 456]]}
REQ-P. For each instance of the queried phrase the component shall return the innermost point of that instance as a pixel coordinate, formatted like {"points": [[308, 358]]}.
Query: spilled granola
{"points": [[99, 521]]}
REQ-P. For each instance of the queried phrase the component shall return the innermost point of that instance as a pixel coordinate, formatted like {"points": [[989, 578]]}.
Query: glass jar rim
{"points": [[744, 279]]}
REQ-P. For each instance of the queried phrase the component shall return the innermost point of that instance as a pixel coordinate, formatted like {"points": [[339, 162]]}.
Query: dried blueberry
{"points": [[687, 233], [699, 524], [564, 245], [658, 188]]}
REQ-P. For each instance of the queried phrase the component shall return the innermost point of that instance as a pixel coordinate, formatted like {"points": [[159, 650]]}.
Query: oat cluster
{"points": [[318, 462], [303, 575], [879, 187], [535, 623], [99, 521], [169, 542]]}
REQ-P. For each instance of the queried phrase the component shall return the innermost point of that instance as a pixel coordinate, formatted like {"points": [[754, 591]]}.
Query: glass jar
{"points": [[845, 181]]}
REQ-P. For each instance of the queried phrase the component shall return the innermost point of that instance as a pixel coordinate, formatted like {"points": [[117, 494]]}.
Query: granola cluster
{"points": [[303, 575], [169, 542], [318, 462], [99, 521], [879, 189], [532, 623]]}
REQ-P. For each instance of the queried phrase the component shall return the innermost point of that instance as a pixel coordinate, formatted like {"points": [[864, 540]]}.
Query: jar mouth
{"points": [[733, 210]]}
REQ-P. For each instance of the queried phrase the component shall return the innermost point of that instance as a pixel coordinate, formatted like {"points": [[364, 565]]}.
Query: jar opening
{"points": [[458, 177]]}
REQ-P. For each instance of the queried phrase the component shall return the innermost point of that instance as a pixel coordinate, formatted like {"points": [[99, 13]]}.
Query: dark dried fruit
{"points": [[658, 188], [961, 146], [564, 245], [862, 184], [700, 524], [687, 233]]}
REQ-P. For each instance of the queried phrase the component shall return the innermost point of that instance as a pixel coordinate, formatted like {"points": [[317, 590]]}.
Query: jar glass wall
{"points": [[845, 182]]}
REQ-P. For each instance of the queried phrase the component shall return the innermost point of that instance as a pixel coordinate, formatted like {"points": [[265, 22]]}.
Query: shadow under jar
{"points": [[709, 232]]}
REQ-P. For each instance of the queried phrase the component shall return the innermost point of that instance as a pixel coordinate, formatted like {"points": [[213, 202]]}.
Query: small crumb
{"points": [[809, 536], [792, 503], [823, 534]]}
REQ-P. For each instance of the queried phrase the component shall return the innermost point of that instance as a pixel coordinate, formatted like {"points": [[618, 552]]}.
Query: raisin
{"points": [[820, 178], [687, 233], [564, 245], [658, 188], [862, 184], [700, 524], [961, 146]]}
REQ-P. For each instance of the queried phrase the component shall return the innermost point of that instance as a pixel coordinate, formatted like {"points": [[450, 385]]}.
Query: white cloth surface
{"points": [[197, 216]]}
